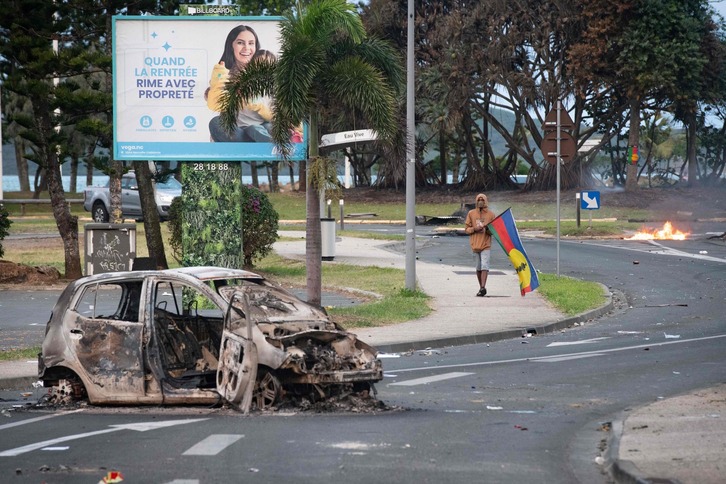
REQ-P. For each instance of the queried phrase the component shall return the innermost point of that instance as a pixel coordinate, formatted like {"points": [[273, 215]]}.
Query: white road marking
{"points": [[36, 419], [183, 481], [556, 359], [213, 445], [580, 342], [139, 427], [519, 360], [430, 379], [662, 250]]}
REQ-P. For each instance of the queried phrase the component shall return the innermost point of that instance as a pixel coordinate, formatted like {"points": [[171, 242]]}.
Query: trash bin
{"points": [[327, 235], [109, 247]]}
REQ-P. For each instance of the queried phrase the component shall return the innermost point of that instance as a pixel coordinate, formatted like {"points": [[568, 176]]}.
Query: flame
{"points": [[666, 233]]}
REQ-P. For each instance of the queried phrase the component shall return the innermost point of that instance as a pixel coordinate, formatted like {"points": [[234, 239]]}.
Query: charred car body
{"points": [[195, 335]]}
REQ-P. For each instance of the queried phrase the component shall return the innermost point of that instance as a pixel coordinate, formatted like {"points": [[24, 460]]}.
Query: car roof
{"points": [[203, 273], [211, 272]]}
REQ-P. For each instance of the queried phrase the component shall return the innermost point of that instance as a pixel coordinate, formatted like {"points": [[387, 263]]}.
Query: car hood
{"points": [[271, 305]]}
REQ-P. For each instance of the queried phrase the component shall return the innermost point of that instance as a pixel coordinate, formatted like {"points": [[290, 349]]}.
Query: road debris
{"points": [[112, 477], [684, 305], [429, 352]]}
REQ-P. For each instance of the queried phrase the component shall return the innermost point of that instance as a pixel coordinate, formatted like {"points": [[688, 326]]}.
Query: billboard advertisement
{"points": [[168, 76]]}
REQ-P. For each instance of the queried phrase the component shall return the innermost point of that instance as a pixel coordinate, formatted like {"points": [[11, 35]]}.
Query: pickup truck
{"points": [[97, 199]]}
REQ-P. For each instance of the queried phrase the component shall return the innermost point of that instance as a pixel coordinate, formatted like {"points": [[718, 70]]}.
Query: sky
{"points": [[719, 6]]}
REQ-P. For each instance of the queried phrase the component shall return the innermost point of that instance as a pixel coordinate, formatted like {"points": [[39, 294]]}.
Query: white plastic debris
{"points": [[703, 252], [671, 336], [491, 407], [429, 352]]}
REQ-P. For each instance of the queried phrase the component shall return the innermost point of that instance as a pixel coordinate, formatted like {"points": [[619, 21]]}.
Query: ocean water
{"points": [[12, 184]]}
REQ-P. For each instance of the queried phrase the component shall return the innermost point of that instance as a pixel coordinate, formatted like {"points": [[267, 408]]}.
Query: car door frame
{"points": [[109, 351]]}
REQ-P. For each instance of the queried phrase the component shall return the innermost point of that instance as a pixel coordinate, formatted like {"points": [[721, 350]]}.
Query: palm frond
{"points": [[299, 66], [256, 80], [359, 85], [378, 53], [323, 18]]}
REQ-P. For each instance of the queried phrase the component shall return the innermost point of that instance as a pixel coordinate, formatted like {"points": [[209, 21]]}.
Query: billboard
{"points": [[168, 73]]}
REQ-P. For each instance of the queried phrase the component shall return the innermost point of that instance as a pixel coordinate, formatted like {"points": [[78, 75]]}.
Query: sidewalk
{"points": [[681, 438], [458, 317]]}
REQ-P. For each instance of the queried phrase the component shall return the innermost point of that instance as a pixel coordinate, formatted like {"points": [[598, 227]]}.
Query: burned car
{"points": [[196, 335]]}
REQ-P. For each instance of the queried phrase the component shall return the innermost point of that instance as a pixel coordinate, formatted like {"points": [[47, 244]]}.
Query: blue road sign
{"points": [[590, 200]]}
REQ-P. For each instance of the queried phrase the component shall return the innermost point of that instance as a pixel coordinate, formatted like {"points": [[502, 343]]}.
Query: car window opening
{"points": [[188, 327]]}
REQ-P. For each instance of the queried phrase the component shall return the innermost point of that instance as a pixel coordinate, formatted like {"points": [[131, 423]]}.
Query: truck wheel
{"points": [[99, 213]]}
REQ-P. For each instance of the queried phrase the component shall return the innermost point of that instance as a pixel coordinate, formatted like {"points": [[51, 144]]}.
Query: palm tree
{"points": [[327, 67]]}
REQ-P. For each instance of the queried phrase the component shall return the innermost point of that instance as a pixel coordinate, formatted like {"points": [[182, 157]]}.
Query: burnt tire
{"points": [[99, 213]]}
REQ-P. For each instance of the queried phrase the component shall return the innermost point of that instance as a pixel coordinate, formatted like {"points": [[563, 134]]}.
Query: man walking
{"points": [[480, 239]]}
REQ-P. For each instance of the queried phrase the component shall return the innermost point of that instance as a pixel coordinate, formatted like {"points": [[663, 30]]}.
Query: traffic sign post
{"points": [[587, 200], [558, 144]]}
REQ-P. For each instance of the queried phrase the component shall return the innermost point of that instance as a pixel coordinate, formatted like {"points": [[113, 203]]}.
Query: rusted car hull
{"points": [[198, 335]]}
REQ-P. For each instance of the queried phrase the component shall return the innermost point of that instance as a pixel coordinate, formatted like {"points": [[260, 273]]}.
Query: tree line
{"points": [[618, 66]]}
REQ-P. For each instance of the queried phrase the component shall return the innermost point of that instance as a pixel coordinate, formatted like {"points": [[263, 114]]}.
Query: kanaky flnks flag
{"points": [[504, 230]]}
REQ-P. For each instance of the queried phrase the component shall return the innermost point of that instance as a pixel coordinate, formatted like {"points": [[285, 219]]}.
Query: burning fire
{"points": [[666, 233]]}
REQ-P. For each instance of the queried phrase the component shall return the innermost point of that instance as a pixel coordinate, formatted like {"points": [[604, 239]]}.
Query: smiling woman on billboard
{"points": [[253, 120]]}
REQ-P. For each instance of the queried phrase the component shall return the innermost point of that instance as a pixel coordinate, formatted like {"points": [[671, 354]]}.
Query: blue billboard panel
{"points": [[169, 73]]}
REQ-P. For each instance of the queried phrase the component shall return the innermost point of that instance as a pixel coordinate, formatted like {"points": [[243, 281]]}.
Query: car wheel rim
{"points": [[267, 391]]}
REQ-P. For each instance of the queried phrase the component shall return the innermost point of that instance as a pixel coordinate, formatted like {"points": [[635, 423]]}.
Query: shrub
{"points": [[259, 224], [4, 226]]}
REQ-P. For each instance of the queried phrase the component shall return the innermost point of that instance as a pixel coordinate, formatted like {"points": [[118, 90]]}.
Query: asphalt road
{"points": [[23, 315], [524, 410]]}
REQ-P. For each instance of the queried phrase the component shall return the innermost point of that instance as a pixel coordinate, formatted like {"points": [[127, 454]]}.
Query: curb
{"points": [[501, 335], [624, 471], [17, 382]]}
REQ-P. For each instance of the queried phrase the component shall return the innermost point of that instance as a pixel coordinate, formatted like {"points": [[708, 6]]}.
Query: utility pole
{"points": [[1, 145], [410, 159]]}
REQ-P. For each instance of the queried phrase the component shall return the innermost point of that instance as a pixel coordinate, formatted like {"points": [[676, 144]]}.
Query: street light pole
{"points": [[410, 159]]}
